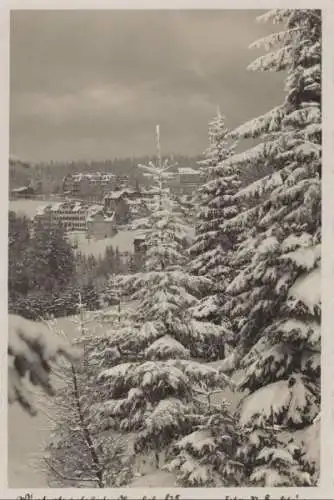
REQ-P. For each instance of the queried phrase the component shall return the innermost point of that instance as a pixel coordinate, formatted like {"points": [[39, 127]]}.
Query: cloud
{"points": [[78, 105], [79, 79]]}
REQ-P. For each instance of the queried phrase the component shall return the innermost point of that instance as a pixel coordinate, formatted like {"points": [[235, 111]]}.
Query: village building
{"points": [[89, 186], [138, 209], [79, 216], [130, 204], [71, 215], [100, 225], [149, 199], [188, 175], [24, 192], [186, 180], [122, 203], [139, 245]]}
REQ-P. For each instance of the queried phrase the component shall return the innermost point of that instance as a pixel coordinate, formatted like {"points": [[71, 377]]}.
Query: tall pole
{"points": [[157, 141], [160, 169]]}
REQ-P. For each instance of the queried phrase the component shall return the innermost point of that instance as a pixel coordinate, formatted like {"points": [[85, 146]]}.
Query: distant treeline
{"points": [[49, 175]]}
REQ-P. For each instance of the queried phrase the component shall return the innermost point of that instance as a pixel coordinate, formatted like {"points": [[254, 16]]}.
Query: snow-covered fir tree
{"points": [[276, 295], [212, 249], [156, 392], [78, 454]]}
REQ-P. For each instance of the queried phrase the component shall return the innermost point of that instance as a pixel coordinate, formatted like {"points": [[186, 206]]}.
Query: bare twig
{"points": [[66, 478], [85, 430]]}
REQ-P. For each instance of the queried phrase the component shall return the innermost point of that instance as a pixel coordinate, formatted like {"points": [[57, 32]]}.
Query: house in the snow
{"points": [[101, 225], [24, 192], [120, 203], [139, 244], [186, 180]]}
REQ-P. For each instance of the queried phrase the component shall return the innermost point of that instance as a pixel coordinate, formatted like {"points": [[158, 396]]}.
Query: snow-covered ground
{"points": [[27, 207], [25, 442], [123, 240]]}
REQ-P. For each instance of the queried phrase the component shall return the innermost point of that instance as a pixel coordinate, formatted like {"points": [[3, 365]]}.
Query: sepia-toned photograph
{"points": [[164, 248]]}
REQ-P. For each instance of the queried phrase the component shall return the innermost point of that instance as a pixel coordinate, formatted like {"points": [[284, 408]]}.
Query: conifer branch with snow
{"points": [[275, 298], [32, 351]]}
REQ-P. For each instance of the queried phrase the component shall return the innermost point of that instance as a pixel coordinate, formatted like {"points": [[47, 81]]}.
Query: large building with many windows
{"points": [[72, 215], [89, 186], [79, 216]]}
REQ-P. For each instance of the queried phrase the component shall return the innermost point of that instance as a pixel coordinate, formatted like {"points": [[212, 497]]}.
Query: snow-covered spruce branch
{"points": [[281, 15], [311, 13], [32, 351], [67, 478], [208, 395]]}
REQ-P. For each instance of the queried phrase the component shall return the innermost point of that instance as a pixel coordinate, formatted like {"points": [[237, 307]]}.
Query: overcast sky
{"points": [[93, 84]]}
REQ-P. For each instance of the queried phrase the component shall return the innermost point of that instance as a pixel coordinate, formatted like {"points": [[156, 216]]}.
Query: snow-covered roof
{"points": [[149, 191], [18, 161], [78, 206], [40, 210], [56, 206], [77, 177], [64, 206], [94, 209], [109, 218], [93, 176], [21, 189], [140, 237], [130, 191], [114, 195]]}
